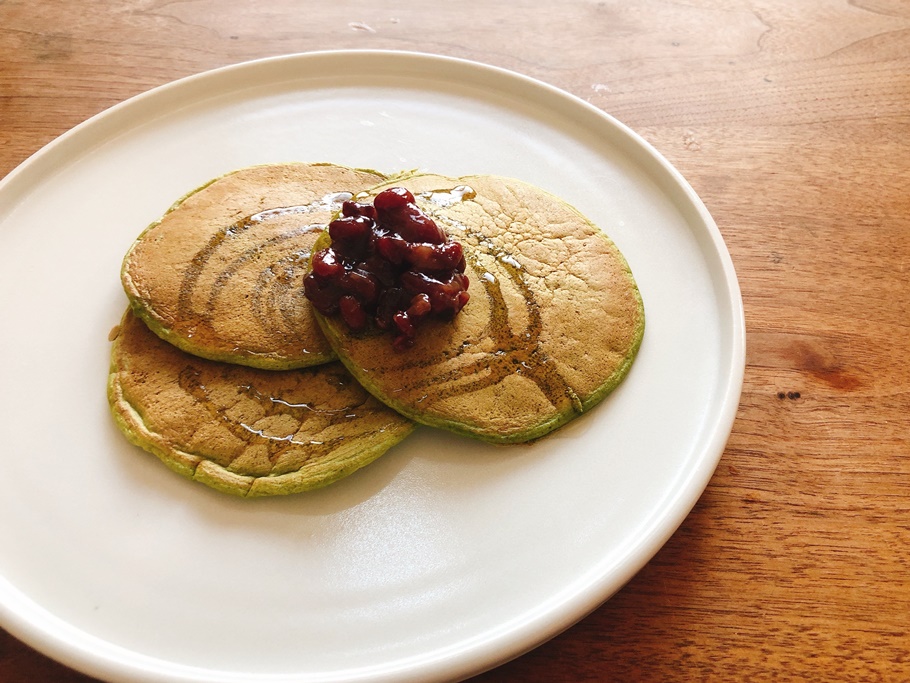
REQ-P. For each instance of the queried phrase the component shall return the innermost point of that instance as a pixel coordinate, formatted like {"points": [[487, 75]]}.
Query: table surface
{"points": [[792, 122]]}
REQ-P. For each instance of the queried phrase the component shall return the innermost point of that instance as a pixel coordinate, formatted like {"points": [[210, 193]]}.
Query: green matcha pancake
{"points": [[220, 274], [553, 323], [242, 430]]}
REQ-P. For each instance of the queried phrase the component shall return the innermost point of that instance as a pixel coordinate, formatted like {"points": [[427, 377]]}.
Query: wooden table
{"points": [[792, 122]]}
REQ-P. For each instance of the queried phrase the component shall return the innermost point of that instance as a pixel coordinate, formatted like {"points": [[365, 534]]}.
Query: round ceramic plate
{"points": [[446, 556]]}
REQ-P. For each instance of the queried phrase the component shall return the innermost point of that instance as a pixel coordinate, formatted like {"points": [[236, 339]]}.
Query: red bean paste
{"points": [[389, 266]]}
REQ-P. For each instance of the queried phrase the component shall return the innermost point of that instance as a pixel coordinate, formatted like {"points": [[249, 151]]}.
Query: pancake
{"points": [[220, 274], [553, 324], [242, 430]]}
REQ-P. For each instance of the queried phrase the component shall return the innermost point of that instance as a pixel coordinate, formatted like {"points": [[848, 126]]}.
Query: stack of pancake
{"points": [[222, 369]]}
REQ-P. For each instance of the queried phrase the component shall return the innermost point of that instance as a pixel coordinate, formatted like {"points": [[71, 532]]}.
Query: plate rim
{"points": [[510, 640]]}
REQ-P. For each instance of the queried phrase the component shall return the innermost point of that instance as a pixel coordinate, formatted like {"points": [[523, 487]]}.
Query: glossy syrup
{"points": [[518, 352], [275, 288], [308, 417]]}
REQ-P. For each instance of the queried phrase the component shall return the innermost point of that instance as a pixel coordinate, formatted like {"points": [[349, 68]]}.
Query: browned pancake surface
{"points": [[221, 274], [242, 430]]}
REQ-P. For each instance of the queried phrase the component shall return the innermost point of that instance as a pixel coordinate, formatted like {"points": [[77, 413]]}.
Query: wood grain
{"points": [[792, 122]]}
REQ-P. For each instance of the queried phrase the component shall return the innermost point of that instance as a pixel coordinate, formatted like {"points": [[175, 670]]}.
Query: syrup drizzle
{"points": [[273, 298], [276, 287], [518, 352], [307, 417]]}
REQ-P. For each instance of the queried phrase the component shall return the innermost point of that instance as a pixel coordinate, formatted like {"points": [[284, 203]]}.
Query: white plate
{"points": [[446, 556]]}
